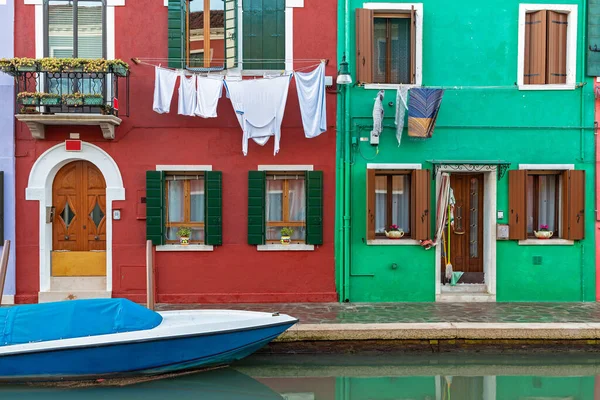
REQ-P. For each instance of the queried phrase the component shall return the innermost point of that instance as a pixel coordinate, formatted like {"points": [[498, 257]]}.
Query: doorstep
{"points": [[465, 297], [50, 296]]}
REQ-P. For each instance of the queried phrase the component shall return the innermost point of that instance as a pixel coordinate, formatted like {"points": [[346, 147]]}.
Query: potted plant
{"points": [[93, 99], [74, 64], [28, 110], [53, 65], [96, 65], [119, 67], [73, 99], [6, 65], [184, 234], [543, 233], [49, 99], [107, 109], [28, 98], [286, 235], [25, 64], [394, 233]]}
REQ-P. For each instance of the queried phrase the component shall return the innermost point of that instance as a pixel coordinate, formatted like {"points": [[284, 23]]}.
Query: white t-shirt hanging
{"points": [[208, 94], [164, 86], [187, 95], [311, 96]]}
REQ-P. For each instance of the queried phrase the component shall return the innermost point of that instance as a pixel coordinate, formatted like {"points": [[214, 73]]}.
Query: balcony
{"points": [[54, 91]]}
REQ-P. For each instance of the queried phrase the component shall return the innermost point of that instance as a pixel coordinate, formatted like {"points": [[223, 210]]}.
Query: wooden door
{"points": [[466, 238], [79, 225]]}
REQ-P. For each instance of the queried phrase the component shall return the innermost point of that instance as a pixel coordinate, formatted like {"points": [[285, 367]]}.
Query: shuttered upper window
{"points": [[204, 34], [387, 44], [398, 197], [547, 200], [547, 46]]}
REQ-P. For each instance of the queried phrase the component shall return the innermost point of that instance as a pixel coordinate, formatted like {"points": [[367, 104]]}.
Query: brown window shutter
{"points": [[573, 205], [413, 45], [517, 204], [535, 48], [364, 45], [370, 204], [421, 202], [557, 48]]}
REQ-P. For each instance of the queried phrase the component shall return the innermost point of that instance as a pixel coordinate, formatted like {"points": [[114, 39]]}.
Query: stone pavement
{"points": [[384, 313]]}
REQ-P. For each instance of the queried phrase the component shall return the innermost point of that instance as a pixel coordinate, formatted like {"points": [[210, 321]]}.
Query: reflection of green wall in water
{"points": [[386, 388], [459, 48], [532, 387]]}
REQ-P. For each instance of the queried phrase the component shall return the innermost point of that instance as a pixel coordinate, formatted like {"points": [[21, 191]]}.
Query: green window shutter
{"points": [[314, 207], [155, 210], [230, 23], [177, 33], [1, 206], [256, 207], [213, 213], [593, 29], [264, 34]]}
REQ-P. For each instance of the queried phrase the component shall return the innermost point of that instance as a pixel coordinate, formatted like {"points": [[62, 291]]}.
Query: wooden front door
{"points": [[79, 225], [466, 239]]}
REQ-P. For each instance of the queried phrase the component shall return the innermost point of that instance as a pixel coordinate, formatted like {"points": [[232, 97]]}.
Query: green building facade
{"points": [[514, 131]]}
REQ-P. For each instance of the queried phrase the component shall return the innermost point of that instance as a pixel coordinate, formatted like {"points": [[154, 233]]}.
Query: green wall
{"points": [[471, 45], [524, 387]]}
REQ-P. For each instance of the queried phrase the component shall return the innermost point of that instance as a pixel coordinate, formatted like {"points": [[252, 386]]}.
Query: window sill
{"points": [[189, 247], [390, 86], [285, 247], [393, 242], [568, 86], [546, 242]]}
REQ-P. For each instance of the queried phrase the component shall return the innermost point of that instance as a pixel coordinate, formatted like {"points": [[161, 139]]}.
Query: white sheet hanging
{"points": [[311, 96], [186, 104], [164, 86], [401, 107], [209, 92], [259, 105]]}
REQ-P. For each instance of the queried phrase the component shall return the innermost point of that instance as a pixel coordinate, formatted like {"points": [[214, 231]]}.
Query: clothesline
{"points": [[459, 87], [281, 72]]}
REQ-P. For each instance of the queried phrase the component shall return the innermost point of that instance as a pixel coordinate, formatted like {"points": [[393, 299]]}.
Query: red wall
{"points": [[234, 272]]}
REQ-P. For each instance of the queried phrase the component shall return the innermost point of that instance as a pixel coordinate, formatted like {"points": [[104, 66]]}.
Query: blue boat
{"points": [[104, 338]]}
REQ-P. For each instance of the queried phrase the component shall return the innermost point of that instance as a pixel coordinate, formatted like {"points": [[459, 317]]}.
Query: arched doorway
{"points": [[79, 223]]}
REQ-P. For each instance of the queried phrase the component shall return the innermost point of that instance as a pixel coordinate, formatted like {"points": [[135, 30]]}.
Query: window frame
{"points": [[186, 206], [390, 174], [402, 8], [285, 206], [557, 234], [572, 11]]}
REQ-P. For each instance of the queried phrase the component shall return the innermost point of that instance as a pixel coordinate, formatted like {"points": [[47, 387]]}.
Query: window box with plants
{"points": [[52, 65], [6, 65], [25, 64], [49, 99], [93, 100], [184, 233], [118, 67], [73, 99], [73, 64], [28, 98]]}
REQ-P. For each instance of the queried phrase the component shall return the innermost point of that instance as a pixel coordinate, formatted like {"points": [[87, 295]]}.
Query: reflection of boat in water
{"points": [[221, 384], [88, 339]]}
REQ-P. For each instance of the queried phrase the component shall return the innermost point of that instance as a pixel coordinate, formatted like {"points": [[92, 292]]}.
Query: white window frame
{"points": [[389, 242], [289, 247], [395, 7], [571, 10], [558, 168], [184, 168]]}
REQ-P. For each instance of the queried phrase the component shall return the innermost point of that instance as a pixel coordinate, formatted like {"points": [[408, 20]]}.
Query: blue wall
{"points": [[7, 137]]}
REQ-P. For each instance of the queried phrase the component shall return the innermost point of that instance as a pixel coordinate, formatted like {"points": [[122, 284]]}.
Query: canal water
{"points": [[361, 377]]}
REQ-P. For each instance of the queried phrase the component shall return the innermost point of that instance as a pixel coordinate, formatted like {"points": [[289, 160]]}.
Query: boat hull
{"points": [[150, 356]]}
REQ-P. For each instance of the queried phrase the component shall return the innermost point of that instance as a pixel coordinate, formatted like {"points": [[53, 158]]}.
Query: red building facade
{"points": [[111, 172]]}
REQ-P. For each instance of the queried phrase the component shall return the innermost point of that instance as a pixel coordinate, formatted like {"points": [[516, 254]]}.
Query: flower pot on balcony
{"points": [[27, 68], [93, 101], [74, 101], [28, 101], [50, 101], [119, 70]]}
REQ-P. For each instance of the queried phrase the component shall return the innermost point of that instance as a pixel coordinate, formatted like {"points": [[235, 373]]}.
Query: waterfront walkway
{"points": [[452, 324]]}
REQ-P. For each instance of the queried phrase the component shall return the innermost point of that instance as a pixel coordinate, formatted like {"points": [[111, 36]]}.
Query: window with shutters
{"points": [[285, 205], [215, 35], [547, 46], [545, 199], [398, 198], [184, 200], [388, 43]]}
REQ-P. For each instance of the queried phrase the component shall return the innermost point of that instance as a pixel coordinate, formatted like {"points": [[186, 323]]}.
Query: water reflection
{"points": [[360, 377]]}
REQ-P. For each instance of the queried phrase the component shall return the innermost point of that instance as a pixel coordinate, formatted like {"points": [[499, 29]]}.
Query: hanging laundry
{"points": [[401, 107], [311, 96], [209, 92], [259, 105], [164, 86], [378, 114], [187, 95], [423, 109]]}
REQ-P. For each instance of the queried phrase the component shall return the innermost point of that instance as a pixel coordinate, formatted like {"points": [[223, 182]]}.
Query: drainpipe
{"points": [[582, 80], [346, 219]]}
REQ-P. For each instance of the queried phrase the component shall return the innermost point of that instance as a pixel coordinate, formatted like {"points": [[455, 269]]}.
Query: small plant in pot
{"points": [[395, 232], [286, 235], [184, 234], [73, 99], [543, 233], [49, 99], [28, 98]]}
